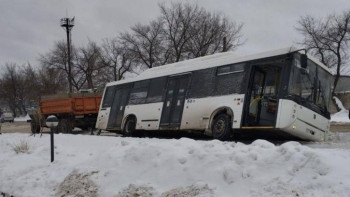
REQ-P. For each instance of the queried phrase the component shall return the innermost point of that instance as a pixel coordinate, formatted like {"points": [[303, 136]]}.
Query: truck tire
{"points": [[221, 127], [64, 126]]}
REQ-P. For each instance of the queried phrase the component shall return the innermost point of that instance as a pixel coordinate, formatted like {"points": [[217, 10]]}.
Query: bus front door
{"points": [[174, 101], [262, 97], [120, 100], [255, 93]]}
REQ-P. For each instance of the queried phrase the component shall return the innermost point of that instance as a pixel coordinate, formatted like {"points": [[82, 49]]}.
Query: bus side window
{"points": [[109, 96], [156, 89], [202, 84], [139, 92], [229, 79]]}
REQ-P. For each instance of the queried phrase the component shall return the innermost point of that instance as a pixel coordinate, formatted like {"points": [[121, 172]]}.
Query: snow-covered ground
{"points": [[117, 166], [22, 118], [343, 115]]}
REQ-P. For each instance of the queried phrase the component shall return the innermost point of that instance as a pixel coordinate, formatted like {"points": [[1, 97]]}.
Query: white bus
{"points": [[282, 92]]}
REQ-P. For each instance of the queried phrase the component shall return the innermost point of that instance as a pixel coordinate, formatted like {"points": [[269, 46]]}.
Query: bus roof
{"points": [[218, 59]]}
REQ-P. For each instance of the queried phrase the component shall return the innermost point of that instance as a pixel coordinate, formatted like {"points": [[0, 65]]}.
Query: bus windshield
{"points": [[311, 85]]}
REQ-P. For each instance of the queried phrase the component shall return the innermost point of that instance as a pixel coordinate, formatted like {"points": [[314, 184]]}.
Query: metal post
{"points": [[69, 57], [52, 122], [52, 145], [68, 24]]}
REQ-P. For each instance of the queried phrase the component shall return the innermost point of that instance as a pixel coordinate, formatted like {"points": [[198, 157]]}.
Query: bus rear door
{"points": [[174, 101]]}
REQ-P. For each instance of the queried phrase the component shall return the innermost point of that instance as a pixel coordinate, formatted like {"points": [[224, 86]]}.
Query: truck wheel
{"points": [[221, 127], [35, 128], [64, 126], [129, 127]]}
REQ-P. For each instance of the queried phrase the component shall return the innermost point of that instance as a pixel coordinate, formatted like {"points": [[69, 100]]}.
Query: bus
{"points": [[282, 92]]}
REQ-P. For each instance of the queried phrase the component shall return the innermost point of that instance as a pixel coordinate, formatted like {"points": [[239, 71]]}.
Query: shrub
{"points": [[21, 147]]}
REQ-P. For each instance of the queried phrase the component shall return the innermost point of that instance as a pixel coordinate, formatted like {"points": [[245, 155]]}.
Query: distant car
{"points": [[7, 117]]}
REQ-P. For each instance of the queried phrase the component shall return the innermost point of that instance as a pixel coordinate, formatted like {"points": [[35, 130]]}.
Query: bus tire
{"points": [[221, 127], [130, 127]]}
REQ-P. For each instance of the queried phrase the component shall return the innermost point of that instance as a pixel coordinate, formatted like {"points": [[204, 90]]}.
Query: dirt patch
{"points": [[3, 194], [15, 127], [148, 191], [340, 127], [78, 185], [190, 191], [137, 191]]}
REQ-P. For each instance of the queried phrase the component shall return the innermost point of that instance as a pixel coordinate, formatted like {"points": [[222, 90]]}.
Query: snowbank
{"points": [[116, 166], [342, 115]]}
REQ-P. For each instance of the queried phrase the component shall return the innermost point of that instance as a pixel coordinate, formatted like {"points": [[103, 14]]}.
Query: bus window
{"points": [[301, 81], [311, 86], [108, 97], [229, 79], [138, 94], [156, 90], [203, 83], [324, 86]]}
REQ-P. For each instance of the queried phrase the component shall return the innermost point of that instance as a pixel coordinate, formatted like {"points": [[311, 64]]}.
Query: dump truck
{"points": [[73, 110]]}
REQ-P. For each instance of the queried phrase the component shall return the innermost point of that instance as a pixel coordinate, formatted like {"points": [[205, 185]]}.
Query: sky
{"points": [[31, 27]]}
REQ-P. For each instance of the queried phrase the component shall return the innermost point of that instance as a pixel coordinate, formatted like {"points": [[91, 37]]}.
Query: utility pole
{"points": [[67, 24], [224, 44]]}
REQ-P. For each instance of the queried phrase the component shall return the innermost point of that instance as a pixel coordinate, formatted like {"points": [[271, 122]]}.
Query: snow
{"points": [[345, 70], [342, 115], [22, 118], [119, 166]]}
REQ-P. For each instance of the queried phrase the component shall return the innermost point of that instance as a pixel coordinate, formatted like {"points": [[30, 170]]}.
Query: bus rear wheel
{"points": [[130, 127], [221, 127]]}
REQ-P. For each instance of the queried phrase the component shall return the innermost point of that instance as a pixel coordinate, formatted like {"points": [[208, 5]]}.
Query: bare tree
{"points": [[328, 39], [145, 43], [57, 58], [31, 85], [178, 19], [183, 31], [212, 33], [117, 59], [12, 89], [88, 63], [52, 81]]}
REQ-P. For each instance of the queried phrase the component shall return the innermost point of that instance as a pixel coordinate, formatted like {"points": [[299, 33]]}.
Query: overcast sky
{"points": [[31, 27]]}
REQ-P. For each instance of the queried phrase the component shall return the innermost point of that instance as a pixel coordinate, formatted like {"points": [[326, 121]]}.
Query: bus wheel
{"points": [[221, 127], [129, 127]]}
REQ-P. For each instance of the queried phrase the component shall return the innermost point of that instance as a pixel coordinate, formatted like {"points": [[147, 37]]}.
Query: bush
{"points": [[21, 147]]}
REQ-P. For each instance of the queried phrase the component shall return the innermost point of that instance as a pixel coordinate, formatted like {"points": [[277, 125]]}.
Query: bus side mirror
{"points": [[303, 60]]}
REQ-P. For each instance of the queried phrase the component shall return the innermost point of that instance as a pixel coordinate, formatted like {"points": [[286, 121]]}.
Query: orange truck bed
{"points": [[73, 104]]}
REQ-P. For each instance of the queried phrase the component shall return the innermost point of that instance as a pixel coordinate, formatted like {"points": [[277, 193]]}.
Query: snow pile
{"points": [[78, 184], [116, 166], [342, 115], [22, 118]]}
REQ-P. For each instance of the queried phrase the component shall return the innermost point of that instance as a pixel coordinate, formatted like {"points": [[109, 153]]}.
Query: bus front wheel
{"points": [[221, 127]]}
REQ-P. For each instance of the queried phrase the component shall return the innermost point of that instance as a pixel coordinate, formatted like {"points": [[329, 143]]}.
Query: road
{"points": [[24, 127]]}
